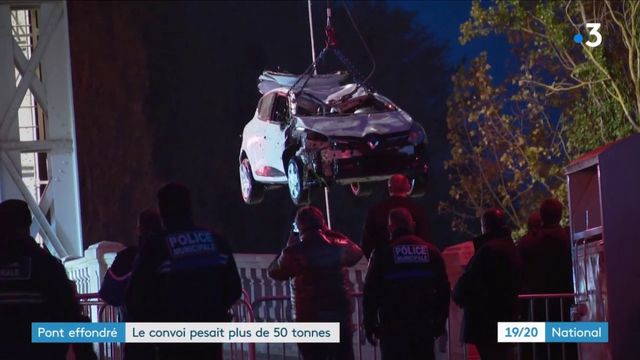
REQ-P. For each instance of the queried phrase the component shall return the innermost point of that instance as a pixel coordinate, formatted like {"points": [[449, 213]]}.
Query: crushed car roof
{"points": [[270, 80], [326, 87]]}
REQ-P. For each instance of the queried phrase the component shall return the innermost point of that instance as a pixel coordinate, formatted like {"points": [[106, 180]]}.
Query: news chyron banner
{"points": [[508, 332], [185, 332], [553, 332]]}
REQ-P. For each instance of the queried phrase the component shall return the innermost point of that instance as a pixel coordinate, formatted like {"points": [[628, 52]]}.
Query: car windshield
{"points": [[309, 105], [364, 104]]}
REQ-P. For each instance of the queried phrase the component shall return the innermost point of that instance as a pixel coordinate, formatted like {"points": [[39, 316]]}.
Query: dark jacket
{"points": [[317, 264], [117, 278], [407, 287], [186, 274], [547, 261], [488, 289], [375, 228], [33, 288]]}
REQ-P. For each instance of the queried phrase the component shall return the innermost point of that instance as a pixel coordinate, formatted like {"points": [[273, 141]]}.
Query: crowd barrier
{"points": [[95, 309], [534, 307], [274, 309], [546, 308], [278, 309], [242, 311]]}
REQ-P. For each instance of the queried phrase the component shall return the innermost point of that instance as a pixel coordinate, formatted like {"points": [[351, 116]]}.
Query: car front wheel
{"points": [[252, 191], [295, 179]]}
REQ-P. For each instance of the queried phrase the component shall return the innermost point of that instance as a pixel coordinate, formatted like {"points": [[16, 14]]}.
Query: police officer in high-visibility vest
{"points": [[406, 293], [33, 288], [184, 274]]}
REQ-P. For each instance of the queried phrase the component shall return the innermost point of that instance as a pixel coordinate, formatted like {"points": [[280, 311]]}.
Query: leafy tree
{"points": [[506, 151], [511, 142], [600, 86]]}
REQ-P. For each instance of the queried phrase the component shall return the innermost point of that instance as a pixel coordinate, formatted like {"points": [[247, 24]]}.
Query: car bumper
{"points": [[372, 167]]}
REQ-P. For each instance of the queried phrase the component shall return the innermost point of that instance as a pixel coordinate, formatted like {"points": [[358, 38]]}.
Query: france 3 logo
{"points": [[595, 38]]}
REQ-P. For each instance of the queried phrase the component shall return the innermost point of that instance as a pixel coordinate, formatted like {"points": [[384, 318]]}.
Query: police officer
{"points": [[488, 289], [33, 288], [406, 293], [534, 224], [375, 227], [116, 280], [184, 274], [547, 255], [117, 277], [548, 269], [316, 260]]}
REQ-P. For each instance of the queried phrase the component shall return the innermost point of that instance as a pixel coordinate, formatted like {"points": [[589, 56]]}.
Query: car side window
{"points": [[280, 109], [264, 107]]}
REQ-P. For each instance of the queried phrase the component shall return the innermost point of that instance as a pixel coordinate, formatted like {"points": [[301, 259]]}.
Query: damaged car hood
{"points": [[356, 125]]}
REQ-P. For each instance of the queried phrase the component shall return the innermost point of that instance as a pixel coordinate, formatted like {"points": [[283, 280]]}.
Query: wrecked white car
{"points": [[326, 133]]}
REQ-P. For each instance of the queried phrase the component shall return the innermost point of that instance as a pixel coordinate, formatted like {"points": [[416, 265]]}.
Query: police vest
{"points": [[191, 250], [17, 285]]}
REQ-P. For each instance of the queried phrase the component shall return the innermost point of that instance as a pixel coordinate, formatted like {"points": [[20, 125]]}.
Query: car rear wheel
{"points": [[361, 189], [419, 186], [295, 179], [252, 191]]}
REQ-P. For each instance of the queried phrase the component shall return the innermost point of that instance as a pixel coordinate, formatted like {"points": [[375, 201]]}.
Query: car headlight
{"points": [[417, 135]]}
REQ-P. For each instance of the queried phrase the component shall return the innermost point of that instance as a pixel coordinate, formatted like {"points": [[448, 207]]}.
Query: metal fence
{"points": [[95, 309], [546, 308], [274, 309], [242, 311], [534, 307], [362, 348], [279, 309]]}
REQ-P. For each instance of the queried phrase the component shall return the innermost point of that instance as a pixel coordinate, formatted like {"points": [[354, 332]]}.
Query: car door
{"points": [[274, 137], [255, 137]]}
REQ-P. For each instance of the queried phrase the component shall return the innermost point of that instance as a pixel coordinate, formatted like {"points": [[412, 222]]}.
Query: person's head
{"points": [[399, 185], [551, 212], [15, 218], [534, 223], [493, 220], [309, 218], [400, 219], [174, 203], [149, 222]]}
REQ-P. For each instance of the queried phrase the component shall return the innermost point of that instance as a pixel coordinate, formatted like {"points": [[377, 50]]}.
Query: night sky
{"points": [[443, 19], [162, 91]]}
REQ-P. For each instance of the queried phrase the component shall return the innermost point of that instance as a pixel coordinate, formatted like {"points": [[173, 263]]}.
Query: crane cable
{"points": [[331, 43], [313, 46]]}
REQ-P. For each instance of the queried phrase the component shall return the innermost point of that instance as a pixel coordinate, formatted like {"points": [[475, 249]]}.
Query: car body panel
{"points": [[274, 147], [263, 144]]}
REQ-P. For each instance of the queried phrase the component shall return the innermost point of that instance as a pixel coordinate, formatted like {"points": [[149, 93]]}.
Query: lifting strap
{"points": [[331, 45]]}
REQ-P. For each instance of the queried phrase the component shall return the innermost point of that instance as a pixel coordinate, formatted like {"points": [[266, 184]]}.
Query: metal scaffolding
{"points": [[37, 135]]}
